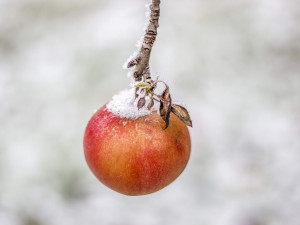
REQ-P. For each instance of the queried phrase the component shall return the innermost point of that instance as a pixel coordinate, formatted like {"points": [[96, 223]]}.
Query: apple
{"points": [[136, 156]]}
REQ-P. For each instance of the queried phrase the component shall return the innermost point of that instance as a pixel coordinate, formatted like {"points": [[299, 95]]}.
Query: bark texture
{"points": [[142, 69]]}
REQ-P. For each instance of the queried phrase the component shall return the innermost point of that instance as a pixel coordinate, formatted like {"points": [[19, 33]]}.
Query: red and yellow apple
{"points": [[136, 156]]}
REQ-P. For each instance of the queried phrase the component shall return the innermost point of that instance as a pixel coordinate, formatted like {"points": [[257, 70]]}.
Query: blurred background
{"points": [[234, 63]]}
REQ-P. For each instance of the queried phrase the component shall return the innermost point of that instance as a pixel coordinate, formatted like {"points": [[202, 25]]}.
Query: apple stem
{"points": [[145, 85]]}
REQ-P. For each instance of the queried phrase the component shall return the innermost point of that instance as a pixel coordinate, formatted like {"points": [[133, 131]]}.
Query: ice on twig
{"points": [[147, 14], [140, 41]]}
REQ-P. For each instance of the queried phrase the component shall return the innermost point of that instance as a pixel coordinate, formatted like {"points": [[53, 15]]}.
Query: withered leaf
{"points": [[142, 91], [141, 103], [136, 92], [151, 104], [165, 106], [166, 95], [182, 114], [165, 112]]}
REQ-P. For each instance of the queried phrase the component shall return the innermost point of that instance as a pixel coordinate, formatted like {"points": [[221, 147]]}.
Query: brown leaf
{"points": [[136, 92], [141, 103], [165, 106], [166, 95], [151, 104], [182, 114], [164, 113], [165, 110]]}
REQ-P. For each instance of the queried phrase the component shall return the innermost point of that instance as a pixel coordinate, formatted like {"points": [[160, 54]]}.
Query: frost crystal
{"points": [[140, 41], [124, 105], [147, 14]]}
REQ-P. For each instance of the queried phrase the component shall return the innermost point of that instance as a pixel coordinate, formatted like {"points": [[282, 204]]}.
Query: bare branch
{"points": [[145, 85], [142, 69]]}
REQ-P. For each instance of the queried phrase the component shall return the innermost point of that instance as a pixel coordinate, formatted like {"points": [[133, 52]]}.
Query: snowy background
{"points": [[234, 63]]}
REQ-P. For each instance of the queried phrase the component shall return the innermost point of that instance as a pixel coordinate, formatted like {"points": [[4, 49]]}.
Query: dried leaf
{"points": [[166, 95], [164, 112], [142, 91], [141, 103], [151, 104], [165, 106], [163, 109], [182, 114], [136, 92]]}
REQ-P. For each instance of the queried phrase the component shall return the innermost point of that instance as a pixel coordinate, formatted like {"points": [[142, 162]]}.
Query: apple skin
{"points": [[136, 156]]}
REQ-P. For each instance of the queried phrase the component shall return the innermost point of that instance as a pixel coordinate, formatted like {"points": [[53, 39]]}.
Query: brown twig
{"points": [[141, 62], [142, 73]]}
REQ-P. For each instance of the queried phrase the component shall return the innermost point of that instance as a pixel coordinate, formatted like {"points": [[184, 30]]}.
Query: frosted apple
{"points": [[131, 152], [139, 142]]}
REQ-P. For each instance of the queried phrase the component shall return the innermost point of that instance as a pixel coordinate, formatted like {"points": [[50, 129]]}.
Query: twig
{"points": [[142, 70], [142, 73]]}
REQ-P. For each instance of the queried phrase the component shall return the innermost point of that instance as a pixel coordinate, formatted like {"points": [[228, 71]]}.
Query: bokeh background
{"points": [[234, 63]]}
